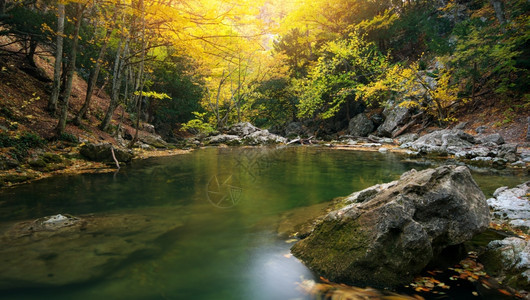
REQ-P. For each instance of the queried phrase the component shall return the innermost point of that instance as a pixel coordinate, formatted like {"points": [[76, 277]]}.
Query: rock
{"points": [[492, 138], [153, 140], [512, 206], [528, 130], [148, 128], [224, 139], [518, 164], [386, 234], [294, 129], [394, 117], [461, 125], [383, 150], [407, 138], [442, 141], [61, 249], [102, 153], [508, 152], [383, 140], [263, 137], [242, 129], [481, 129], [377, 119], [509, 261], [360, 125]]}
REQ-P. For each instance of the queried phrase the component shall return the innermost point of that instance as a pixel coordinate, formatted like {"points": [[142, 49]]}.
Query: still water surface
{"points": [[229, 201]]}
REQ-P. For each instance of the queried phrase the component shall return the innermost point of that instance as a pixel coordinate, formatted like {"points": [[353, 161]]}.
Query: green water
{"points": [[229, 201]]}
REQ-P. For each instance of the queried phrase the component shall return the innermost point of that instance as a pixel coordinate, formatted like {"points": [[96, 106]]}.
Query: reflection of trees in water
{"points": [[257, 161]]}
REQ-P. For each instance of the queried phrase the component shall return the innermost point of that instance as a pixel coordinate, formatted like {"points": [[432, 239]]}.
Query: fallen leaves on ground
{"points": [[334, 291]]}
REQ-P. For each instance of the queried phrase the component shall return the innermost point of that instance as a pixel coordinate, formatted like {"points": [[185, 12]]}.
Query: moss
{"points": [[52, 158], [37, 163], [333, 248]]}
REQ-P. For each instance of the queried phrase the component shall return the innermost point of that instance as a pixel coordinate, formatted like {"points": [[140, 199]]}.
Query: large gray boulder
{"points": [[393, 118], [103, 153], [360, 125], [386, 234]]}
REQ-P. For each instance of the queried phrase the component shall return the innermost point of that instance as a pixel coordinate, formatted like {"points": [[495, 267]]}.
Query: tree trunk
{"points": [[30, 55], [92, 80], [116, 84], [52, 103], [498, 6], [70, 71], [2, 7]]}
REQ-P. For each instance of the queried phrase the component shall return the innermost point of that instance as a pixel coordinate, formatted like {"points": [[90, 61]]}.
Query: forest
{"points": [[264, 149], [202, 65]]}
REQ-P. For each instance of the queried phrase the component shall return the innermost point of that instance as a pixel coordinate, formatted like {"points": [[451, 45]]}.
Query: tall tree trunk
{"points": [[140, 75], [116, 85], [70, 71], [498, 6], [92, 80], [52, 103], [2, 7]]}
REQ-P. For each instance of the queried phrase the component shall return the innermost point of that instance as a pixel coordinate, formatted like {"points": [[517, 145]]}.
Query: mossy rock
{"points": [[17, 178], [37, 164], [52, 158]]}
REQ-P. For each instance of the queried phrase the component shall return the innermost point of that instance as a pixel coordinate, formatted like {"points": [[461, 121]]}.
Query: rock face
{"points": [[509, 261], [62, 249], [360, 125], [512, 206], [386, 234], [102, 152], [393, 118]]}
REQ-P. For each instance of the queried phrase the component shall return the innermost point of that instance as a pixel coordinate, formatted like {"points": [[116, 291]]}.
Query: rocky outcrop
{"points": [[386, 234], [62, 249], [512, 206], [393, 118], [360, 125], [245, 133], [103, 153]]}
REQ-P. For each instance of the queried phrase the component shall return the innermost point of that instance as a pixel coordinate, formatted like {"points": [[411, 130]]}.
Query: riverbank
{"points": [[71, 163]]}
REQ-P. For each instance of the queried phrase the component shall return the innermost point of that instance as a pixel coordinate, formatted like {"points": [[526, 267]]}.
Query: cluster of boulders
{"points": [[244, 134], [509, 259], [479, 150]]}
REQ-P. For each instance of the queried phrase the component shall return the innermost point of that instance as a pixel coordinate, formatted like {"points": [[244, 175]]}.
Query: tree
{"points": [[56, 89], [78, 18]]}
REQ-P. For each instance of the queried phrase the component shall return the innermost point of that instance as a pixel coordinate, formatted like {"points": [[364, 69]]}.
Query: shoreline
{"points": [[78, 166]]}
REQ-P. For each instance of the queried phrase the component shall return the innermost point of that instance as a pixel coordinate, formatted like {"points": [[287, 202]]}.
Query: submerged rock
{"points": [[61, 249], [386, 234]]}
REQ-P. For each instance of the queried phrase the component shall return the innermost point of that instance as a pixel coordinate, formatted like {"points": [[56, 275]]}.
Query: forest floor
{"points": [[24, 94]]}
